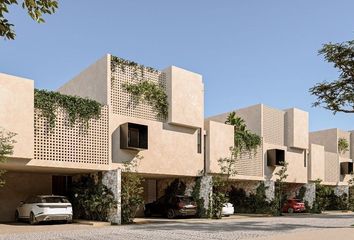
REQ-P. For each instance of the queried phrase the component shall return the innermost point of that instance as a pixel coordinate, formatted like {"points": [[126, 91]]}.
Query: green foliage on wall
{"points": [[6, 149], [91, 200], [77, 108], [244, 140], [122, 64], [343, 145], [154, 94]]}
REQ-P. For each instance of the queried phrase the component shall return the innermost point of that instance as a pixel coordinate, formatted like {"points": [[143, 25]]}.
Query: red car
{"points": [[293, 205]]}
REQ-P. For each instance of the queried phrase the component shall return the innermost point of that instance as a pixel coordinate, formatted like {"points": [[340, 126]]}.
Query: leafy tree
{"points": [[338, 95], [280, 195], [35, 9], [6, 149], [131, 190], [244, 140]]}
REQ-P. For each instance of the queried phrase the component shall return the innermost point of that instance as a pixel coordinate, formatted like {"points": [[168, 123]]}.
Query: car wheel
{"points": [[147, 213], [17, 218], [32, 219], [171, 213], [290, 210]]}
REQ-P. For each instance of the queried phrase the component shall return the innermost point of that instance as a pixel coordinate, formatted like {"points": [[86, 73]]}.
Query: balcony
{"points": [[133, 136], [275, 157]]}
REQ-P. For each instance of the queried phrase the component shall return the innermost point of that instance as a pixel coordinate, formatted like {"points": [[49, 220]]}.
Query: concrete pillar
{"points": [[206, 190], [310, 193], [339, 190], [270, 189], [112, 179]]}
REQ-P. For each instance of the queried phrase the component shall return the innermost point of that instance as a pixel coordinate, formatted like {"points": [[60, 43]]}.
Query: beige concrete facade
{"points": [[175, 145], [285, 130], [17, 112], [173, 142], [332, 156]]}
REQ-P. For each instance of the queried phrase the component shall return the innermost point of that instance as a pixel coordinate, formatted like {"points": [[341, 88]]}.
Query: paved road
{"points": [[232, 228]]}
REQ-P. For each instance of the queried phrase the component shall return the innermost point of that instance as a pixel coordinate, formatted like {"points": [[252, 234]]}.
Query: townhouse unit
{"points": [[329, 163], [45, 161], [179, 143], [284, 135]]}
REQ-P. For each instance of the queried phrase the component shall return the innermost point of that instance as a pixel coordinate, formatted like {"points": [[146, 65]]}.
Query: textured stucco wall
{"points": [[185, 92], [17, 112], [317, 162], [91, 82], [18, 187], [327, 138], [172, 149], [297, 128], [220, 137]]}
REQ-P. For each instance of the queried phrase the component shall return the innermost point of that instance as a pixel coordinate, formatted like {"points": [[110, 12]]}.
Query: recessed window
{"points": [[133, 136], [346, 168], [199, 140], [275, 157]]}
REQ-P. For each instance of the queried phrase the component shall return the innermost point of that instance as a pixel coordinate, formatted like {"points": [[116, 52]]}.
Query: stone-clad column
{"points": [[112, 179], [341, 189], [206, 190], [270, 190], [310, 193]]}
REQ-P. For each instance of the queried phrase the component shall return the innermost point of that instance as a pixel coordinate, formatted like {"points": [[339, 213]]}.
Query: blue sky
{"points": [[247, 51]]}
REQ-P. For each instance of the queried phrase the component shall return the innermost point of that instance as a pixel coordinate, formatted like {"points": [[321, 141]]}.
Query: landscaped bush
{"points": [[91, 200], [254, 203], [326, 199]]}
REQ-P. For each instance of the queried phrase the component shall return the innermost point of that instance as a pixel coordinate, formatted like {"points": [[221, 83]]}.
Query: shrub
{"points": [[131, 191], [91, 200]]}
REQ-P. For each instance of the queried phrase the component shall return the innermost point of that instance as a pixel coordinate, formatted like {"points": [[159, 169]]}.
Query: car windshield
{"points": [[186, 200], [54, 200]]}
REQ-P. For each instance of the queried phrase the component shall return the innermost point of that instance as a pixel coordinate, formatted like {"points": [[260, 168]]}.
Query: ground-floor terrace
{"points": [[242, 193]]}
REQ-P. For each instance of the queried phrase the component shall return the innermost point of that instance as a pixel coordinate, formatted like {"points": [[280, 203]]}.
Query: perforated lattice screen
{"points": [[75, 144], [250, 164], [123, 103], [331, 167], [273, 126]]}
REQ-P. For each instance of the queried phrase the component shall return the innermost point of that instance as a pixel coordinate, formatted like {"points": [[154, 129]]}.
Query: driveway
{"points": [[201, 229]]}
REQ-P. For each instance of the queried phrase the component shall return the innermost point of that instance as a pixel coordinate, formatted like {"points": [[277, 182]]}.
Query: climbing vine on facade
{"points": [[244, 140], [6, 148], [76, 108], [122, 64], [154, 94], [343, 145]]}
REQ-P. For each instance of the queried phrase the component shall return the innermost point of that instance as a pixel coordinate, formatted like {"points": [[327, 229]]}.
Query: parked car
{"points": [[227, 209], [171, 207], [44, 208], [293, 205]]}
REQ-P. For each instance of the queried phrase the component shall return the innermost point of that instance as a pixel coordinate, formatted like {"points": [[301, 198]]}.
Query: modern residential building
{"points": [[45, 161], [178, 144], [284, 135], [329, 163]]}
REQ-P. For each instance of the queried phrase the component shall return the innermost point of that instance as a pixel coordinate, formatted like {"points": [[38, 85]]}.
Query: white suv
{"points": [[45, 208]]}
